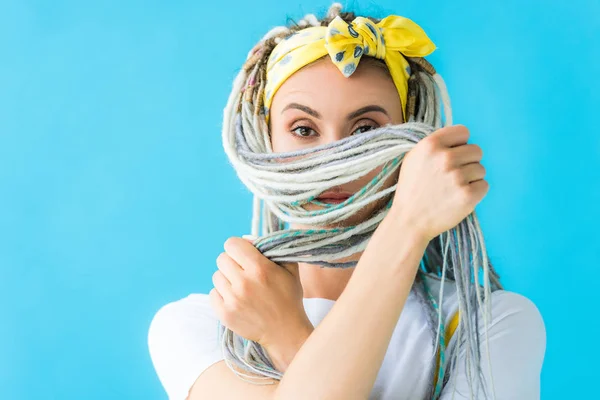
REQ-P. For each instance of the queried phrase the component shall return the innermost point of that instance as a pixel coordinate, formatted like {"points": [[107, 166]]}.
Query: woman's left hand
{"points": [[259, 299]]}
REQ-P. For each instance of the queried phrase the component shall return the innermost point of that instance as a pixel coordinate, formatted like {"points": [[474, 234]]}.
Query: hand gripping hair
{"points": [[281, 188]]}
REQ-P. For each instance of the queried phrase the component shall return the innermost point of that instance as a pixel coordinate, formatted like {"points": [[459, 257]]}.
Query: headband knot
{"points": [[346, 42]]}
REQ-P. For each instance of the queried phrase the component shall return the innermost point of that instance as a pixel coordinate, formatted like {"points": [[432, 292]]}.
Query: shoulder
{"points": [[182, 319], [517, 344], [183, 342], [515, 315], [195, 304], [508, 308], [519, 321], [515, 305]]}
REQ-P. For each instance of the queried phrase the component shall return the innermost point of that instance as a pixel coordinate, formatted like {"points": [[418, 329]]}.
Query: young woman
{"points": [[368, 330]]}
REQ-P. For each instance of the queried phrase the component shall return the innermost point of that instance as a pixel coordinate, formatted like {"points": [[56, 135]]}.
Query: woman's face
{"points": [[318, 105]]}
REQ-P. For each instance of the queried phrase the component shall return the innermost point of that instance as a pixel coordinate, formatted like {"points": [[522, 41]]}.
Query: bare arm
{"points": [[219, 382], [342, 357]]}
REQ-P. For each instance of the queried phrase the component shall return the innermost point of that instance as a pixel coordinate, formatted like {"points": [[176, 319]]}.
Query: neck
{"points": [[323, 282], [326, 283]]}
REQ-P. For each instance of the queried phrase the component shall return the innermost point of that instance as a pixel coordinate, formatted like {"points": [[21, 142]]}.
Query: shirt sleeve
{"points": [[517, 344], [183, 342]]}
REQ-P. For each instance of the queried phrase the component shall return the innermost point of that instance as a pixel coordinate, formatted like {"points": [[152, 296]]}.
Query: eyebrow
{"points": [[354, 114]]}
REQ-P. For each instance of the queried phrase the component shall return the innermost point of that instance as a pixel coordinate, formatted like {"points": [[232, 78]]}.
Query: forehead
{"points": [[322, 82]]}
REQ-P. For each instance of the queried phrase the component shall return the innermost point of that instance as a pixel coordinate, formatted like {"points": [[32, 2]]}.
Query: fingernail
{"points": [[250, 237]]}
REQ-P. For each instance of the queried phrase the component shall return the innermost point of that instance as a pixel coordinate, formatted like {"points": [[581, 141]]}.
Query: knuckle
{"points": [[462, 133], [229, 243], [457, 177], [243, 288], [428, 144], [463, 129], [478, 190], [466, 194], [233, 301], [485, 185], [215, 298], [447, 161], [261, 275], [432, 144], [231, 308]]}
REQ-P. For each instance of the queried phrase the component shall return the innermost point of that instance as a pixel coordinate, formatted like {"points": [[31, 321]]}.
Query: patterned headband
{"points": [[390, 40]]}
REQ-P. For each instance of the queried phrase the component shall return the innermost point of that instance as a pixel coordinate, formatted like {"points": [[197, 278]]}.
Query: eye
{"points": [[302, 131], [365, 127]]}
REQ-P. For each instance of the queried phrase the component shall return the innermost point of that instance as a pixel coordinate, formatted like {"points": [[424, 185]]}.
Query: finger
{"points": [[222, 285], [472, 172], [466, 154], [231, 270], [216, 298], [245, 254], [452, 136], [217, 302], [479, 189]]}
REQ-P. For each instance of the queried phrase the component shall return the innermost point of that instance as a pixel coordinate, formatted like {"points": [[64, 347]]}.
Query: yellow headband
{"points": [[387, 40]]}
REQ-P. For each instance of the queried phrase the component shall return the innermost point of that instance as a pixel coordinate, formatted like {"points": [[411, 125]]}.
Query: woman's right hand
{"points": [[440, 182]]}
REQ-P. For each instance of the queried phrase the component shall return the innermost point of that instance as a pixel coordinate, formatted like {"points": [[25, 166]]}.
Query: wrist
{"points": [[411, 232], [282, 351]]}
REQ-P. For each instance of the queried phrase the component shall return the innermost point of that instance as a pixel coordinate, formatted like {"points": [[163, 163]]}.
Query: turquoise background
{"points": [[116, 196]]}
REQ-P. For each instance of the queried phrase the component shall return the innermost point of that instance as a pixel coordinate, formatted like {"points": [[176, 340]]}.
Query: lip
{"points": [[332, 201], [334, 196]]}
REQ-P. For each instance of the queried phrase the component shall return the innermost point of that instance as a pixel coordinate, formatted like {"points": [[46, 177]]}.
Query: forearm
{"points": [[342, 357]]}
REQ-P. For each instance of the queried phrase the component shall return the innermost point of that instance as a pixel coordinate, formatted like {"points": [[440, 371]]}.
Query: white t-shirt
{"points": [[183, 342]]}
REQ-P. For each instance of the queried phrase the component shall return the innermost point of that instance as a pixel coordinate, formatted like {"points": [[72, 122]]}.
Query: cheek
{"points": [[389, 181], [281, 144], [372, 174], [285, 142], [278, 142]]}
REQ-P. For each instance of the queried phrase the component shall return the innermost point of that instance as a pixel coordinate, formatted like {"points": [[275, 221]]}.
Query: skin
{"points": [[304, 115]]}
